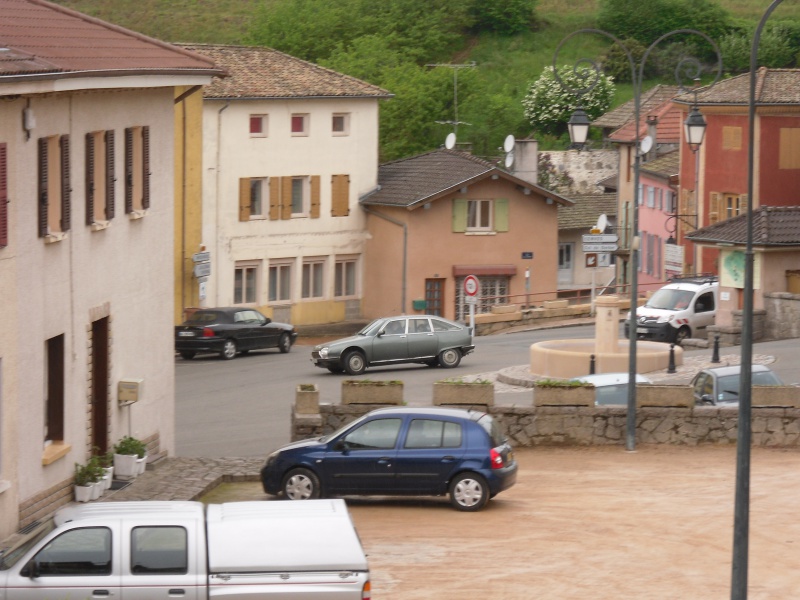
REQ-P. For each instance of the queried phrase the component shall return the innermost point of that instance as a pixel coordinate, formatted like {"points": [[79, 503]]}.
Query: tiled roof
{"points": [[668, 129], [425, 177], [773, 87], [41, 40], [651, 99], [583, 214], [772, 226], [267, 73], [666, 165]]}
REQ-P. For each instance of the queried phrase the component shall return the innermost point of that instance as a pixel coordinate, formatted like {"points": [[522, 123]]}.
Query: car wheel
{"points": [[284, 343], [187, 355], [469, 492], [450, 358], [682, 333], [355, 363], [228, 350], [300, 484]]}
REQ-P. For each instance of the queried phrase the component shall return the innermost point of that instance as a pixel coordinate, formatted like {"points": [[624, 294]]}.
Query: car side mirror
{"points": [[380, 333], [340, 446], [268, 321], [707, 400]]}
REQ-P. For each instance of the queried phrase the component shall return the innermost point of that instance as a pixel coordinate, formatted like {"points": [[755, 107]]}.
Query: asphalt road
{"points": [[242, 407]]}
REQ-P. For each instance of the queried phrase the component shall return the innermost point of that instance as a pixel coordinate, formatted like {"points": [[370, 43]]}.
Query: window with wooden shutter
{"points": [[459, 215], [244, 199], [54, 191], [90, 218], [789, 148], [713, 207], [340, 195], [274, 198], [97, 178], [731, 138], [315, 197], [145, 167], [286, 197], [128, 170], [66, 190], [110, 176], [3, 196], [43, 183], [54, 387], [137, 169], [501, 214]]}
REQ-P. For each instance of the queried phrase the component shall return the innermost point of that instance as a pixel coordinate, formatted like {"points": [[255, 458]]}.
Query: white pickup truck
{"points": [[160, 550]]}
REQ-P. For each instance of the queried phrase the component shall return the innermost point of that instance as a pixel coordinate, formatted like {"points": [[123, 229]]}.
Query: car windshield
{"points": [[728, 386], [372, 328], [202, 318], [9, 558], [670, 299]]}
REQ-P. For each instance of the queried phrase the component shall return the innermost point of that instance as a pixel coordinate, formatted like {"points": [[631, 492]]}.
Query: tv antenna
{"points": [[456, 68]]}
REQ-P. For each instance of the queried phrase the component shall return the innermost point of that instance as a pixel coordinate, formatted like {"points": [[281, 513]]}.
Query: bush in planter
{"points": [[131, 446], [126, 453]]}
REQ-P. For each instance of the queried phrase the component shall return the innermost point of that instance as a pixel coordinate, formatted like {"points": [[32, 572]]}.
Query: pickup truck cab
{"points": [[159, 549], [677, 310]]}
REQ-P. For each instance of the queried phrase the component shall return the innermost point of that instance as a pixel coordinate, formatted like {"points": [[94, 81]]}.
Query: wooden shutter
{"points": [[110, 178], [55, 388], [314, 212], [459, 215], [274, 198], [128, 170], [66, 190], [742, 204], [286, 197], [146, 167], [3, 196], [713, 207], [501, 214], [89, 178], [340, 195], [244, 199], [42, 187]]}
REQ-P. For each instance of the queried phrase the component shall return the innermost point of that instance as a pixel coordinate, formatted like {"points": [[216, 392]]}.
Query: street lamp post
{"points": [[579, 123], [741, 513]]}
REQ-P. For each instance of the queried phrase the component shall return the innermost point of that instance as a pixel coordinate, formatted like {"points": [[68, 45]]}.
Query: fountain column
{"points": [[606, 335]]}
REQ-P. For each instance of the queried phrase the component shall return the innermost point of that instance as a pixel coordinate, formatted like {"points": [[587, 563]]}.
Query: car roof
{"points": [[431, 412], [601, 379], [734, 370]]}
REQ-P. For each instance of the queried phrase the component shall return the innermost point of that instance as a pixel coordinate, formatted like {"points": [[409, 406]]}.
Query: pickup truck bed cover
{"points": [[317, 534]]}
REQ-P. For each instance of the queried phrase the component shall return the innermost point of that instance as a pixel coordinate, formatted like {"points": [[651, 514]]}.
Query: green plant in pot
{"points": [[126, 452]]}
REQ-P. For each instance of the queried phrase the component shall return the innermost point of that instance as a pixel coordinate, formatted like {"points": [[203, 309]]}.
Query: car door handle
{"points": [[176, 592], [101, 593], [448, 458], [385, 461]]}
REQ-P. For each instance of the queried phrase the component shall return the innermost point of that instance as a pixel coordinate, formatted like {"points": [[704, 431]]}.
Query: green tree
{"points": [[775, 49], [548, 105], [505, 17]]}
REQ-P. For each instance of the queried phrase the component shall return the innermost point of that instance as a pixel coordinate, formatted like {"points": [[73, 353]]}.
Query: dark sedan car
{"points": [[399, 451], [228, 331], [425, 339]]}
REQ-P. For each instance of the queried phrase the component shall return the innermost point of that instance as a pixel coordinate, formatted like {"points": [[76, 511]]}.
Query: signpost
{"points": [[472, 288], [595, 245]]}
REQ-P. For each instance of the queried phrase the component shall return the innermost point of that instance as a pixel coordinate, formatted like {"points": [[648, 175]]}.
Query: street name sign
{"points": [[599, 247]]}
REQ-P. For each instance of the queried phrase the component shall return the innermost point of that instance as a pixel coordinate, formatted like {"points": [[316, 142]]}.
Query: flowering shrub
{"points": [[548, 106]]}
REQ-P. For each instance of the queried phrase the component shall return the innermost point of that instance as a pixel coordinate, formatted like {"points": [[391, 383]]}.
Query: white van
{"points": [[678, 310]]}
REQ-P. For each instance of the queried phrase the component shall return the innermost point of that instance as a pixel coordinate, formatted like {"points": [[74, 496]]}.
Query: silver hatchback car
{"points": [[424, 339]]}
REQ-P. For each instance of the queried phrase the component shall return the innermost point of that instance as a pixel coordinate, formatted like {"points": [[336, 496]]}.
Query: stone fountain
{"points": [[563, 359]]}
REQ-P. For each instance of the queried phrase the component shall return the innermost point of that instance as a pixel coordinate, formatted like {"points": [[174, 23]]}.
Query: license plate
{"points": [[641, 330], [186, 334], [510, 457]]}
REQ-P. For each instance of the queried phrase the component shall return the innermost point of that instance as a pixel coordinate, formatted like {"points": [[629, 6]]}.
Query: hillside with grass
{"points": [[412, 48]]}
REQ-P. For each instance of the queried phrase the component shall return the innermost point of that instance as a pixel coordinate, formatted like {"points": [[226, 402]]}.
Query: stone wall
{"points": [[783, 315], [586, 168]]}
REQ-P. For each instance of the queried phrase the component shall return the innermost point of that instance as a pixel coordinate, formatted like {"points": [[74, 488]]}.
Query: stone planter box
{"points": [[664, 395], [372, 392], [463, 393], [563, 395], [776, 395], [306, 399]]}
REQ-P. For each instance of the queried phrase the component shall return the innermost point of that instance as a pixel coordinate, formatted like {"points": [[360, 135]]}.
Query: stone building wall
{"points": [[586, 168], [783, 315]]}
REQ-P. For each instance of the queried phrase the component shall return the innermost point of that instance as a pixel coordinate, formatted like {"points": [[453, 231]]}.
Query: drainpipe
{"points": [[217, 162], [405, 253]]}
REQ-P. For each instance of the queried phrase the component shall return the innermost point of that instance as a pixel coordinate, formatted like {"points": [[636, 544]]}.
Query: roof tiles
{"points": [[772, 226], [584, 213], [773, 86]]}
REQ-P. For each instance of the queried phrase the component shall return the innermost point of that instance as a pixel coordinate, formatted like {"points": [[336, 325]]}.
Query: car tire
{"points": [[469, 492], [355, 363], [300, 484], [284, 343], [187, 355], [228, 350], [450, 358], [682, 333]]}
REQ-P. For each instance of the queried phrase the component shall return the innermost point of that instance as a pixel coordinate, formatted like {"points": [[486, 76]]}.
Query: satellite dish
{"points": [[602, 223], [508, 144], [450, 141], [646, 144], [509, 160]]}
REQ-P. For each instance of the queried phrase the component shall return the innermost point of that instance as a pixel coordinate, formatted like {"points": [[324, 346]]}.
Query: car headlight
{"points": [[323, 352]]}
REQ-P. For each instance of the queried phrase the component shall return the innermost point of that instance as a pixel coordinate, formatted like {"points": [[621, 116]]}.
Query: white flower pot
{"points": [[141, 464], [97, 489], [83, 493], [125, 466], [108, 477]]}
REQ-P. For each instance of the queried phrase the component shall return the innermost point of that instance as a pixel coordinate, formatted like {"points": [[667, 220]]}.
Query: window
{"points": [[299, 125], [789, 148], [651, 196], [379, 434], [425, 433], [258, 126], [99, 177], [419, 325], [732, 205], [137, 170], [280, 277], [340, 195], [494, 290], [300, 197], [54, 390], [159, 551], [396, 327], [312, 278], [340, 124], [54, 186], [245, 282], [77, 552], [565, 255], [731, 138], [640, 197], [479, 215], [345, 277], [3, 196]]}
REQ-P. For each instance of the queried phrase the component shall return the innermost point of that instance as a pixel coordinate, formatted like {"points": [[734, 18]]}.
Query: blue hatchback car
{"points": [[399, 451]]}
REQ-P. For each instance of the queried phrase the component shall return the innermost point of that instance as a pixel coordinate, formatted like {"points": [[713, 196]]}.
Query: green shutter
{"points": [[501, 214], [459, 215]]}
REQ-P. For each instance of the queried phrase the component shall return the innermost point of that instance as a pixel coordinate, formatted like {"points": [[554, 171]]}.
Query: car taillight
{"points": [[208, 332], [497, 459], [366, 592]]}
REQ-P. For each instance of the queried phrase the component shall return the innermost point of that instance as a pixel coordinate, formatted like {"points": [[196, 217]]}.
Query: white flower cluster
{"points": [[548, 105]]}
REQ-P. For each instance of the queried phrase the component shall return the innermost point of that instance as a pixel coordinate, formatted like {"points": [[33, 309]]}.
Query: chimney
{"points": [[652, 126], [526, 160]]}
